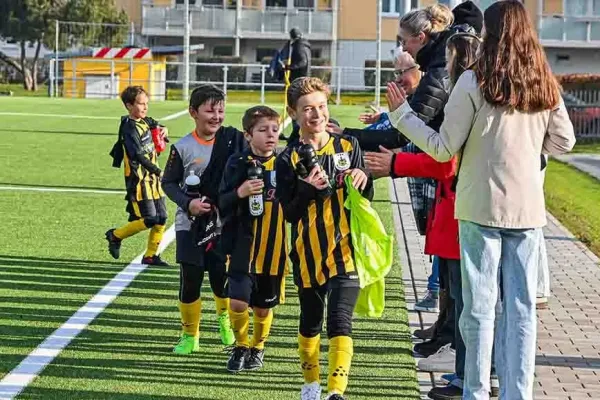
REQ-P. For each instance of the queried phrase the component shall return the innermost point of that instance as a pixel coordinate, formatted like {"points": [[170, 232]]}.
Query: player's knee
{"points": [[261, 312], [151, 221], [339, 323], [238, 306]]}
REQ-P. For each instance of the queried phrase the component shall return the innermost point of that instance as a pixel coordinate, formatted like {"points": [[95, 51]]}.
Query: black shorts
{"points": [[147, 209], [262, 291], [187, 252]]}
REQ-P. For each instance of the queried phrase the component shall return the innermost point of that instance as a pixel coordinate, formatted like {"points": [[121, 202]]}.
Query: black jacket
{"points": [[300, 65], [431, 95]]}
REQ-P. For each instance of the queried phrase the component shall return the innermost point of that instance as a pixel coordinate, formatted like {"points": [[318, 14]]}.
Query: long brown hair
{"points": [[512, 69], [462, 48]]}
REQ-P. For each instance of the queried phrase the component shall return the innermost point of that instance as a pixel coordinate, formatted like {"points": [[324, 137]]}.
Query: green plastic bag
{"points": [[373, 252]]}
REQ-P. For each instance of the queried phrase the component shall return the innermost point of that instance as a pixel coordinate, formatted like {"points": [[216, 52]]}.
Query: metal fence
{"points": [[99, 78]]}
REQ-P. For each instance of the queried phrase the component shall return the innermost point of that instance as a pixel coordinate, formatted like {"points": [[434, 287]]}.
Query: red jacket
{"points": [[441, 236]]}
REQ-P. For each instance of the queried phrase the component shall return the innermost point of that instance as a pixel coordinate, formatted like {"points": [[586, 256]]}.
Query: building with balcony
{"points": [[344, 31]]}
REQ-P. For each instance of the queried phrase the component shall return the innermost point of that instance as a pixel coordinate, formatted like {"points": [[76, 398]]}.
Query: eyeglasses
{"points": [[399, 72]]}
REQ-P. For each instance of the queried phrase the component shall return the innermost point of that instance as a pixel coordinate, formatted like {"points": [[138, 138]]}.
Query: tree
{"points": [[33, 21]]}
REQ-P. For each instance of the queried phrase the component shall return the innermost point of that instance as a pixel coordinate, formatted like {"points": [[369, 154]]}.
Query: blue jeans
{"points": [[515, 252], [433, 282]]}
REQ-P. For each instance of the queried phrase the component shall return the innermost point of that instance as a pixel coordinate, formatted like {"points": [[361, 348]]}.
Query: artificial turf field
{"points": [[53, 259]]}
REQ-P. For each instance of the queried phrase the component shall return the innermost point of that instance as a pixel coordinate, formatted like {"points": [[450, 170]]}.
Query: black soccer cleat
{"points": [[334, 396], [237, 360], [114, 244], [154, 260], [254, 359]]}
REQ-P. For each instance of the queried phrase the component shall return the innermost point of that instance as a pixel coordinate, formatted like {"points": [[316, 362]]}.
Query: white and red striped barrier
{"points": [[122, 53]]}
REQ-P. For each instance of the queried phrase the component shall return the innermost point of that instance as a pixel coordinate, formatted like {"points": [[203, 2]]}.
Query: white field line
{"points": [[285, 124], [75, 116], [70, 116], [52, 189], [31, 367]]}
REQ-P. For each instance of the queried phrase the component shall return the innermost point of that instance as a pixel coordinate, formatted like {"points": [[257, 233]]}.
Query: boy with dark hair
{"points": [[191, 180], [311, 187], [256, 232], [145, 198]]}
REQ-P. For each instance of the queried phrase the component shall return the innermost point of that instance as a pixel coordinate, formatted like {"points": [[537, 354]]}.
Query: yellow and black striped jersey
{"points": [[257, 244], [142, 173], [321, 237]]}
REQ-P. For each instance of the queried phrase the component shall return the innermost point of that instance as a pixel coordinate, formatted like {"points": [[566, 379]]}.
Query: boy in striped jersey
{"points": [[255, 229], [145, 197], [312, 192]]}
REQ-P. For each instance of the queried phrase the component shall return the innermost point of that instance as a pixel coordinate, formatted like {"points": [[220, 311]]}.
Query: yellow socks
{"points": [[308, 348], [262, 327], [190, 317], [240, 322], [130, 229], [154, 238], [340, 357], [222, 305]]}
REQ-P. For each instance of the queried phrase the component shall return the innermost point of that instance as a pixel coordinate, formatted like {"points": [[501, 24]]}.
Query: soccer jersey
{"points": [[142, 173], [321, 237]]}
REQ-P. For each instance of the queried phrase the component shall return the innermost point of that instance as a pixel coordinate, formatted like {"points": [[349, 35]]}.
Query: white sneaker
{"points": [[442, 361], [311, 391]]}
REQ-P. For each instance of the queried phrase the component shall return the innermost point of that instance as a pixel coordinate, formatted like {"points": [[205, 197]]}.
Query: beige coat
{"points": [[500, 183]]}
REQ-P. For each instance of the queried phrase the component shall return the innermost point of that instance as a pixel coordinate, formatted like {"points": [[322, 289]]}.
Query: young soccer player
{"points": [[322, 254], [201, 154], [145, 198], [256, 231]]}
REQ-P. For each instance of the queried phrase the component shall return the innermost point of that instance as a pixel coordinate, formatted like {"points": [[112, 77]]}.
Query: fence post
{"points": [[130, 71], [225, 73], [51, 91], [112, 79], [56, 44], [263, 71], [338, 86], [73, 78]]}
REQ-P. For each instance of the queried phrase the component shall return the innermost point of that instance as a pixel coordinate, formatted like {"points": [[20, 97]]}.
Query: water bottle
{"points": [[256, 201], [192, 185], [160, 143]]}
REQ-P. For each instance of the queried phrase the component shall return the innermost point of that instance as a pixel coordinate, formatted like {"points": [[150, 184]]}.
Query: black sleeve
{"points": [[429, 99], [299, 57], [151, 122], [133, 147], [171, 180], [370, 140], [357, 161], [293, 193], [232, 179]]}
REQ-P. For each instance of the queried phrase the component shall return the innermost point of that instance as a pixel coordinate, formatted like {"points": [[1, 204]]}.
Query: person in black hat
{"points": [[468, 13], [301, 56]]}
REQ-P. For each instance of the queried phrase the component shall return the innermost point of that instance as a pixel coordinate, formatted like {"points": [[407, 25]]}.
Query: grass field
{"points": [[54, 259]]}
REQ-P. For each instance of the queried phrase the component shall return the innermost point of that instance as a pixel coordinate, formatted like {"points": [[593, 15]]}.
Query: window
{"points": [[304, 3], [316, 53], [276, 3], [262, 53], [392, 6], [222, 51]]}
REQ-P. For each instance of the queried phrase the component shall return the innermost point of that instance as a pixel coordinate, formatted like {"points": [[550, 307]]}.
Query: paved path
{"points": [[589, 163], [568, 359]]}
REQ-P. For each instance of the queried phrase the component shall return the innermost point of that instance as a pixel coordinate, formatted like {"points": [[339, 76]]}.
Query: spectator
{"points": [[500, 117], [301, 56]]}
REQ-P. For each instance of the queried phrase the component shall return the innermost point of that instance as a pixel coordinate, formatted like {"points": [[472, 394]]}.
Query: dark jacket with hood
{"points": [[300, 65]]}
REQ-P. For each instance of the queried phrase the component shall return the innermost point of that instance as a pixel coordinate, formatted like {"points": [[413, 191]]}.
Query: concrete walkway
{"points": [[568, 359], [589, 163]]}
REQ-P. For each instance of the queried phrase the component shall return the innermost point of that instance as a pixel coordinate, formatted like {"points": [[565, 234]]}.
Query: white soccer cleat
{"points": [[311, 391]]}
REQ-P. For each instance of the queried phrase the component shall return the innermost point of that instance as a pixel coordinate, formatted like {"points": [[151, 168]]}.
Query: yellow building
{"points": [[108, 71]]}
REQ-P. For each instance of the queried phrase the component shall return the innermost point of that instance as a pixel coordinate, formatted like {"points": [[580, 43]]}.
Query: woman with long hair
{"points": [[499, 117]]}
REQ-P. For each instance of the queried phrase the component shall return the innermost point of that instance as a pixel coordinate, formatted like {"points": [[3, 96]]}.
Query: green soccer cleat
{"points": [[227, 336], [188, 344]]}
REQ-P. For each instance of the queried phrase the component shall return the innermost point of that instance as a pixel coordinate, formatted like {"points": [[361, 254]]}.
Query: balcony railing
{"points": [[272, 23], [577, 26]]}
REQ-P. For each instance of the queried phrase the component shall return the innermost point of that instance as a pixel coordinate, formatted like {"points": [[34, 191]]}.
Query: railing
{"points": [[221, 22], [99, 78], [584, 109]]}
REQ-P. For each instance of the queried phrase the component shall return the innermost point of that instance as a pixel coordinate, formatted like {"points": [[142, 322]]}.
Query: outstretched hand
{"points": [[379, 164], [396, 96]]}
